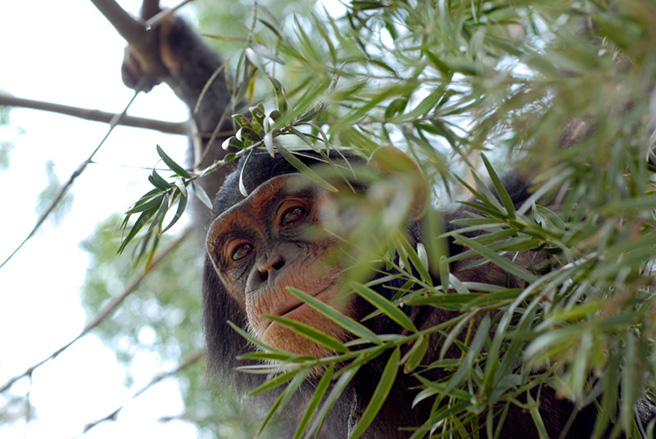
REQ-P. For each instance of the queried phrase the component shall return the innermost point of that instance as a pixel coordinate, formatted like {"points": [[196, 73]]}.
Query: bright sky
{"points": [[66, 52]]}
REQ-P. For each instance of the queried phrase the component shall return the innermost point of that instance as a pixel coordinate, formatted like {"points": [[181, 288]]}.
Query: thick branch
{"points": [[95, 115], [149, 8], [143, 43]]}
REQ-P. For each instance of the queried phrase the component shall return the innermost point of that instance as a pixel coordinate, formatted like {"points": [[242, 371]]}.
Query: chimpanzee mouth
{"points": [[285, 312], [293, 308]]}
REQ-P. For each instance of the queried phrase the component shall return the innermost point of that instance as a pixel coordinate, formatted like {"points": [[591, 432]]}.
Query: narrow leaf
{"points": [[201, 194], [274, 382], [345, 322], [136, 227], [304, 169], [380, 394], [318, 395], [310, 333], [482, 334], [148, 205], [173, 166], [254, 340], [284, 397], [182, 204], [497, 259], [158, 181], [537, 418], [416, 354], [387, 307], [331, 399], [500, 188]]}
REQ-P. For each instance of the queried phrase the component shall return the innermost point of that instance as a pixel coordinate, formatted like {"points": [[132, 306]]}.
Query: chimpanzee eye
{"points": [[241, 252], [292, 215]]}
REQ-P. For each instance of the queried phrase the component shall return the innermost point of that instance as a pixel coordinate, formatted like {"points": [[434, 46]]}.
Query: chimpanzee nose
{"points": [[270, 267]]}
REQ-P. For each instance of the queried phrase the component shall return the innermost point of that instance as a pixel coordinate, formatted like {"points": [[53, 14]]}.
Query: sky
{"points": [[66, 52]]}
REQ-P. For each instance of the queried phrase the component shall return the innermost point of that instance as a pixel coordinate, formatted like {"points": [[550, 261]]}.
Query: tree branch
{"points": [[64, 189], [153, 20], [144, 44], [95, 115], [104, 313], [193, 358]]}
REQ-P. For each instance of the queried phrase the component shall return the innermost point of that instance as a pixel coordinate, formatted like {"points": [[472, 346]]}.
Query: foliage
{"points": [[445, 81]]}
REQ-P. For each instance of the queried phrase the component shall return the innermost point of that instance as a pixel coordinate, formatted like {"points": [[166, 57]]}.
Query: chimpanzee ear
{"points": [[392, 161]]}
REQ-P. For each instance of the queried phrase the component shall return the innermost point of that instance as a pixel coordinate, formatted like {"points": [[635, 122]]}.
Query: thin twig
{"points": [[145, 44], [155, 21], [64, 189], [193, 358], [95, 115], [106, 311]]}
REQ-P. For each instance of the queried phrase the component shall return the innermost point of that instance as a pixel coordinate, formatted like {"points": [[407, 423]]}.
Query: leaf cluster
{"points": [[567, 85]]}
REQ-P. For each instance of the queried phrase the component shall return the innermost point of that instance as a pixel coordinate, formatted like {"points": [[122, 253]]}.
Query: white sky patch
{"points": [[66, 52]]}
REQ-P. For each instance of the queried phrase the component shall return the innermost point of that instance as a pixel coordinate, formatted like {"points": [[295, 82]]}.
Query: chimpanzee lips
{"points": [[296, 304]]}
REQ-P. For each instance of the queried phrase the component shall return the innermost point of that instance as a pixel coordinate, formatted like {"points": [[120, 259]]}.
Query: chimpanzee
{"points": [[260, 244], [271, 239]]}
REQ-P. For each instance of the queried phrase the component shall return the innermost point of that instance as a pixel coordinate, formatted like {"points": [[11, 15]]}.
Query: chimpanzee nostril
{"points": [[278, 264], [269, 268]]}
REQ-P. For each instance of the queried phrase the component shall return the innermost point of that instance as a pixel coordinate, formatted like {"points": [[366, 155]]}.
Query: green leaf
{"points": [[482, 334], [318, 395], [152, 203], [500, 188], [173, 166], [537, 418], [281, 97], [254, 340], [631, 382], [345, 322], [385, 306], [266, 53], [182, 204], [241, 120], [201, 194], [609, 403], [274, 382], [497, 259], [413, 255], [157, 181], [284, 397], [416, 354], [426, 105], [136, 227], [395, 107], [310, 333], [304, 169], [380, 394], [331, 399]]}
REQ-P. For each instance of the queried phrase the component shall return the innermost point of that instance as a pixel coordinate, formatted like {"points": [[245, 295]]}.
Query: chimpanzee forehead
{"points": [[264, 196]]}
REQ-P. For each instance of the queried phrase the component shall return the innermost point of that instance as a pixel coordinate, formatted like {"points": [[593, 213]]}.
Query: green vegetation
{"points": [[448, 81]]}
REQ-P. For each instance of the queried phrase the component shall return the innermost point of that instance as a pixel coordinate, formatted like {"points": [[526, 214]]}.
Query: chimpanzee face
{"points": [[271, 240]]}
